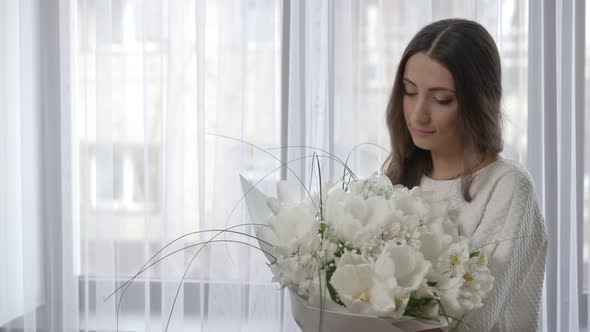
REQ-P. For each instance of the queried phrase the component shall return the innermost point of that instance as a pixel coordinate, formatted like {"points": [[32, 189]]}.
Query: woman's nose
{"points": [[421, 114]]}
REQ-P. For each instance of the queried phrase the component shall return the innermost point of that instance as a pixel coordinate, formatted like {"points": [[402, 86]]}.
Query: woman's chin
{"points": [[422, 145]]}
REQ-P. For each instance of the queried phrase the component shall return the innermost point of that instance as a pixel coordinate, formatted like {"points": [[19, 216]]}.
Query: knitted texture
{"points": [[505, 219]]}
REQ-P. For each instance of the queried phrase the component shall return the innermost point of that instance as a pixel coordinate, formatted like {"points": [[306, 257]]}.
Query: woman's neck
{"points": [[445, 166], [451, 166]]}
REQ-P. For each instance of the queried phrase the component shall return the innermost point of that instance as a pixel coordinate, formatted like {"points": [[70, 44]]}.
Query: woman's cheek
{"points": [[446, 123], [447, 117]]}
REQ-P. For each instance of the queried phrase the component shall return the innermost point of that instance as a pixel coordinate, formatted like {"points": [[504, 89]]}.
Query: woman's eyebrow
{"points": [[440, 88], [408, 81], [437, 88]]}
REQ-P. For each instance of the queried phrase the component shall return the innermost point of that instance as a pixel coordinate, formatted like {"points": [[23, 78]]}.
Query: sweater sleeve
{"points": [[516, 259]]}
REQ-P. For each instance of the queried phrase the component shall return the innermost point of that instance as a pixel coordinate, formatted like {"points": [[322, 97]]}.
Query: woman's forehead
{"points": [[426, 72]]}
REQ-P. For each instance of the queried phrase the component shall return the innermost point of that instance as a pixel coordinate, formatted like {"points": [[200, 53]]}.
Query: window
{"points": [[136, 66]]}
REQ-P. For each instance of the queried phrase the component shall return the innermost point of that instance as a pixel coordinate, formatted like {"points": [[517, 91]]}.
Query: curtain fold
{"points": [[18, 175], [557, 148], [120, 123], [28, 101]]}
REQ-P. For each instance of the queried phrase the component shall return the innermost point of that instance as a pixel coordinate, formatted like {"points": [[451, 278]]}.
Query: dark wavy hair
{"points": [[469, 53]]}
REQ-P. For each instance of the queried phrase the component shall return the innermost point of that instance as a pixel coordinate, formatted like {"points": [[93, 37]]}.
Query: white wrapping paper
{"points": [[308, 319]]}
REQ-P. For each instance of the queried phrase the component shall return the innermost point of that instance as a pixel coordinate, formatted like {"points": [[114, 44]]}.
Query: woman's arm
{"points": [[517, 260]]}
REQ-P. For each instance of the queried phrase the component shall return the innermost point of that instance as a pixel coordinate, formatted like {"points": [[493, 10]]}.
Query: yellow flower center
{"points": [[468, 277], [364, 296], [455, 260], [483, 260]]}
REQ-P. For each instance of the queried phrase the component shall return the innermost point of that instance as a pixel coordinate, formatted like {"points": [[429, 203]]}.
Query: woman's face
{"points": [[430, 105]]}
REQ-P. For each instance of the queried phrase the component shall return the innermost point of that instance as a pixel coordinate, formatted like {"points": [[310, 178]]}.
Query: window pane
{"points": [[128, 56]]}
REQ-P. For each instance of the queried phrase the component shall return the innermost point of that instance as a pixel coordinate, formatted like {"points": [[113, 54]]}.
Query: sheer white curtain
{"points": [[35, 278], [134, 88], [150, 81], [556, 158], [107, 152], [20, 149]]}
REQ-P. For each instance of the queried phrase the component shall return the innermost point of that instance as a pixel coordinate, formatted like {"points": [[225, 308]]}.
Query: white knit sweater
{"points": [[504, 208]]}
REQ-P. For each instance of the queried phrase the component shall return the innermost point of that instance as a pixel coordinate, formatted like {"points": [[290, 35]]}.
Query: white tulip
{"points": [[403, 263], [360, 289], [295, 231]]}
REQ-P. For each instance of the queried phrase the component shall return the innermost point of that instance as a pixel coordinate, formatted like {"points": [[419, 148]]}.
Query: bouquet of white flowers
{"points": [[371, 249], [367, 255]]}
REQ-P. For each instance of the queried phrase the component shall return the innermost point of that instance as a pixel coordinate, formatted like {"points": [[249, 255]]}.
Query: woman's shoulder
{"points": [[506, 173], [512, 196], [502, 176], [503, 183]]}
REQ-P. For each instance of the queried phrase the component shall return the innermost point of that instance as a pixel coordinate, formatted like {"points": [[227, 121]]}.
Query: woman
{"points": [[444, 121]]}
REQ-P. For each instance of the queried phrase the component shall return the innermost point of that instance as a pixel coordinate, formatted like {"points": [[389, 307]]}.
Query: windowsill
{"points": [[138, 323], [135, 316]]}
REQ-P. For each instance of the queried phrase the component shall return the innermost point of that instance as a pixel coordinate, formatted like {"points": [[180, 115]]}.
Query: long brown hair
{"points": [[470, 54]]}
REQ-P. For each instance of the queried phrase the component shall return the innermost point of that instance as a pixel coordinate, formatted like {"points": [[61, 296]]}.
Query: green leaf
{"points": [[333, 294], [474, 254], [342, 247], [323, 228], [415, 307]]}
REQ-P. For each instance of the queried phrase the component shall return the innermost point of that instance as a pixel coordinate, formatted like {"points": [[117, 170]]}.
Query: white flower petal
{"points": [[405, 263]]}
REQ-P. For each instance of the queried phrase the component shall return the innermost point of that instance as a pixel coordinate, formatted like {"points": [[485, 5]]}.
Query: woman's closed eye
{"points": [[409, 90], [438, 101], [443, 101]]}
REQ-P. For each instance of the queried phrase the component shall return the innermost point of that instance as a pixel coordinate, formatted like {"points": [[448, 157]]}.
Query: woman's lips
{"points": [[421, 132]]}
